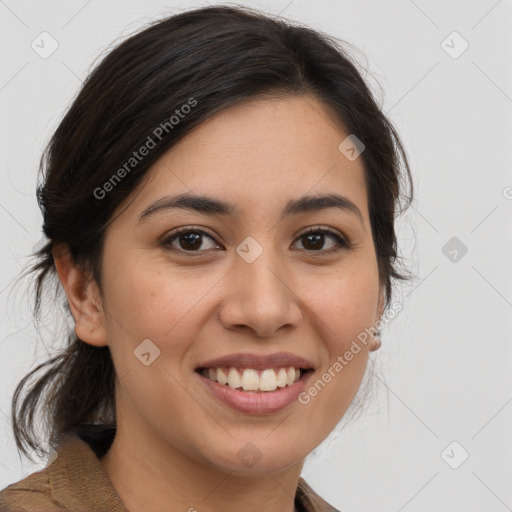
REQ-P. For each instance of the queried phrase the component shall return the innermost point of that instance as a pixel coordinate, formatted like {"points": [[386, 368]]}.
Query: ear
{"points": [[83, 296]]}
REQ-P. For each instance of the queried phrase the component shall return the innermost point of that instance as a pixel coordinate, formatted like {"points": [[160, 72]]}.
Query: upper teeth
{"points": [[252, 380]]}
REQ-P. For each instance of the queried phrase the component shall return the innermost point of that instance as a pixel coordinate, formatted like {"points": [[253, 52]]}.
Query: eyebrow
{"points": [[209, 205]]}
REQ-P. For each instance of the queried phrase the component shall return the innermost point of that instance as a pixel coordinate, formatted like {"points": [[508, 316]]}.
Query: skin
{"points": [[176, 447]]}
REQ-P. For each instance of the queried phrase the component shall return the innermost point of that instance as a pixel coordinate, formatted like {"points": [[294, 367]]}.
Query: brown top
{"points": [[75, 481]]}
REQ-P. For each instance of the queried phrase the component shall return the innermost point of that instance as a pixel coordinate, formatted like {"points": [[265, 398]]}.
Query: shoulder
{"points": [[73, 479], [32, 493]]}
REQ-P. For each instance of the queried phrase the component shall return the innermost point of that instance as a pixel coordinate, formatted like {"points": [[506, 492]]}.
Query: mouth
{"points": [[253, 380], [255, 384]]}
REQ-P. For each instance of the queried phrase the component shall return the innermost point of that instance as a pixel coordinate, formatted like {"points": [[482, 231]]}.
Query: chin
{"points": [[254, 455]]}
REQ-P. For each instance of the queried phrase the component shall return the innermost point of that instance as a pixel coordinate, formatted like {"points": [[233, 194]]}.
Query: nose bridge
{"points": [[260, 295], [258, 264]]}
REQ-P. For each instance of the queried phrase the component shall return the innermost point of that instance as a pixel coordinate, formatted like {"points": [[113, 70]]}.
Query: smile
{"points": [[255, 401], [249, 379]]}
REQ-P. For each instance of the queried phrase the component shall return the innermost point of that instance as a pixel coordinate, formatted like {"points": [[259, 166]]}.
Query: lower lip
{"points": [[257, 403]]}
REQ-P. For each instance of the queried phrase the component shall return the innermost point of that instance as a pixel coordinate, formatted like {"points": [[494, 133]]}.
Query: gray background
{"points": [[445, 364]]}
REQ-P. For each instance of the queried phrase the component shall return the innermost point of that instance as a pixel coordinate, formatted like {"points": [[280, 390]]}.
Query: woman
{"points": [[219, 203]]}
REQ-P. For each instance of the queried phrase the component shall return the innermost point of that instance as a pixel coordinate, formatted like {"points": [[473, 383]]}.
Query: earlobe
{"points": [[83, 297]]}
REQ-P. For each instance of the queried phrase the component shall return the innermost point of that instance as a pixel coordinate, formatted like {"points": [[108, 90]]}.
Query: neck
{"points": [[154, 476]]}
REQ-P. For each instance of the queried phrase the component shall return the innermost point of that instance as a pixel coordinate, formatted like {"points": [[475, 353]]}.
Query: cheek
{"points": [[345, 305], [151, 302], [138, 290], [344, 308]]}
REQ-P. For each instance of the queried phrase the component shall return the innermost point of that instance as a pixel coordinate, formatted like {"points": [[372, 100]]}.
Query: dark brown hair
{"points": [[216, 57]]}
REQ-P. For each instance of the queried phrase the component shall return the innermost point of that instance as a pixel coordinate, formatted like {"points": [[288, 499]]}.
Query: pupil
{"points": [[191, 239], [315, 238]]}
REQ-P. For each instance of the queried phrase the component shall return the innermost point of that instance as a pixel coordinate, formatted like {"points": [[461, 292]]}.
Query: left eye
{"points": [[316, 238], [190, 240]]}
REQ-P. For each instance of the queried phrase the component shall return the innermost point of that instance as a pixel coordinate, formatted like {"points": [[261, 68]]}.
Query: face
{"points": [[249, 282]]}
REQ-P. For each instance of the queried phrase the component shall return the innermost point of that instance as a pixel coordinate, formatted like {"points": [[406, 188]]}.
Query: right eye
{"points": [[188, 240]]}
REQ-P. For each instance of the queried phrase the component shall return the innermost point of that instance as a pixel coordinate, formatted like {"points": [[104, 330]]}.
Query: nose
{"points": [[260, 296]]}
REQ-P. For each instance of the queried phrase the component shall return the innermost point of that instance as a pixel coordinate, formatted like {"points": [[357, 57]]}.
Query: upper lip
{"points": [[258, 361]]}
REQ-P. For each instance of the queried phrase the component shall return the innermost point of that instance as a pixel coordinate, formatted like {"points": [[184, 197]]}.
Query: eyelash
{"points": [[341, 242]]}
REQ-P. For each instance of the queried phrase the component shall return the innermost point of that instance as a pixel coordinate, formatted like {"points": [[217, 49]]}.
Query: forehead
{"points": [[259, 154]]}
